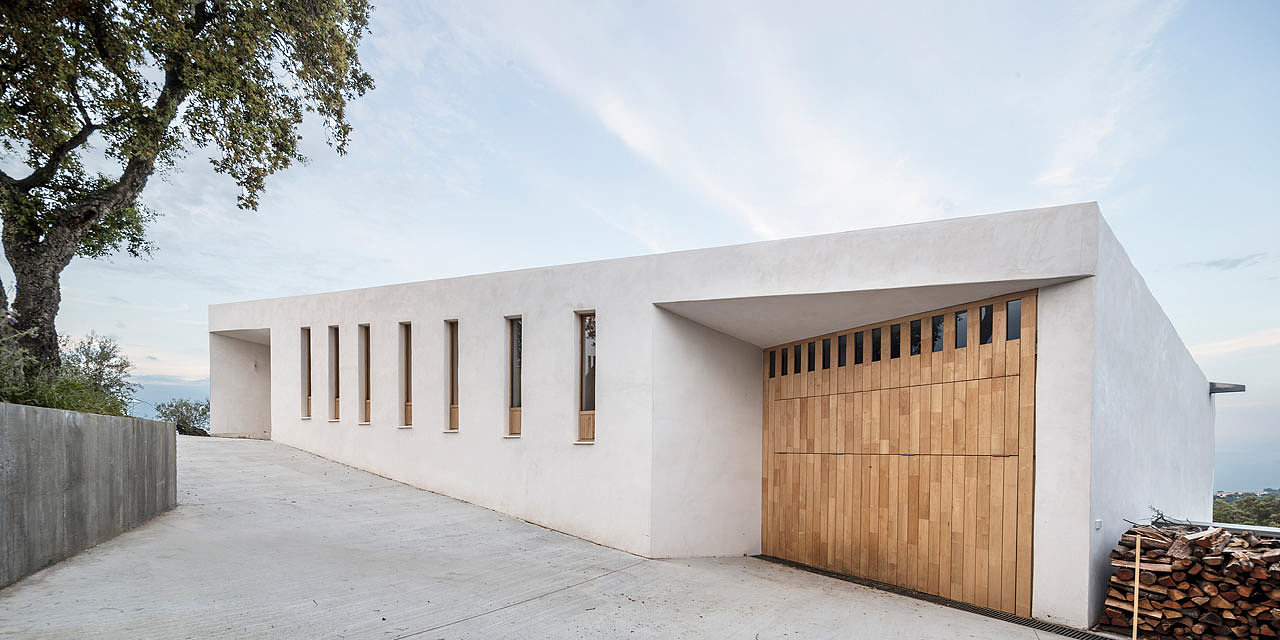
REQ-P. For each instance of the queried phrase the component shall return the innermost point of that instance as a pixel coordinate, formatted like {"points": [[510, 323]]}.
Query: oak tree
{"points": [[97, 96]]}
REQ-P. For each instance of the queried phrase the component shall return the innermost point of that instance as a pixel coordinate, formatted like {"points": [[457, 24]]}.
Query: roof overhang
{"points": [[766, 321], [259, 336]]}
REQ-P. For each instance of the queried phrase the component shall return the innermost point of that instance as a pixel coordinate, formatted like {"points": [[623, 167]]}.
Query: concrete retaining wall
{"points": [[73, 480]]}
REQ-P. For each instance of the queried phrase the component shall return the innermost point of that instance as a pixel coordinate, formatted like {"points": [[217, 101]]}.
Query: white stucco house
{"points": [[969, 407]]}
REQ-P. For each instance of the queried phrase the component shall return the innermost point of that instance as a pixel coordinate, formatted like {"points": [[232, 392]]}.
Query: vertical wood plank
{"points": [[1026, 455], [984, 417], [997, 415], [912, 573], [945, 506], [970, 527], [982, 544], [995, 536], [1008, 571]]}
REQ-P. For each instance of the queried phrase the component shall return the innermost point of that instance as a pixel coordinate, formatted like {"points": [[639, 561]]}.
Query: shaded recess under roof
{"points": [[766, 321]]}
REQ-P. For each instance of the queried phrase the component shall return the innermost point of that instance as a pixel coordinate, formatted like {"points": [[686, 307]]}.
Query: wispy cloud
{"points": [[727, 118], [1249, 341], [1228, 264], [1112, 104]]}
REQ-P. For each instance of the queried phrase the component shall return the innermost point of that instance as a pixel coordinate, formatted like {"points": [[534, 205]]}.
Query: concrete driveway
{"points": [[270, 542]]}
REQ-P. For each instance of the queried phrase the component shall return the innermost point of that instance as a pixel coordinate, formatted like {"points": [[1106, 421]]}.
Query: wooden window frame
{"points": [[364, 372], [335, 372], [304, 347], [406, 374], [587, 417], [452, 388], [515, 371]]}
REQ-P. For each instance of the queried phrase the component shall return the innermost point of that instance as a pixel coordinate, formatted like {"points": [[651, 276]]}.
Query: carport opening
{"points": [[240, 383]]}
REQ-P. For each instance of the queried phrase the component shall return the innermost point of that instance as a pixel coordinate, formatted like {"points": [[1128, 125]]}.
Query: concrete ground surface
{"points": [[271, 542]]}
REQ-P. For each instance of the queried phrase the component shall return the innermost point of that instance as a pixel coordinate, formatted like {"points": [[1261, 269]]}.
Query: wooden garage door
{"points": [[910, 465]]}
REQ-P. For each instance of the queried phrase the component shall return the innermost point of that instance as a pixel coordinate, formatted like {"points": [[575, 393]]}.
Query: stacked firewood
{"points": [[1195, 583]]}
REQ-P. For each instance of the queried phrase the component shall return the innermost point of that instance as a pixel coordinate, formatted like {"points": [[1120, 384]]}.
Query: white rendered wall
{"points": [[538, 476], [1064, 415], [240, 402], [637, 487], [707, 413], [1153, 437]]}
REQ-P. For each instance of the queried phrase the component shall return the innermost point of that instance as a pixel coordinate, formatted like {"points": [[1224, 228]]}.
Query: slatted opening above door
{"points": [[910, 464]]}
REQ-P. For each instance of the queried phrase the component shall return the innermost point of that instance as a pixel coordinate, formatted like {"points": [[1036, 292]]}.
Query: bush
{"points": [[191, 417], [93, 378]]}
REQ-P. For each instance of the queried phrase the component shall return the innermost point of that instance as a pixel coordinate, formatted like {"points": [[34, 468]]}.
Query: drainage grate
{"points": [[963, 606]]}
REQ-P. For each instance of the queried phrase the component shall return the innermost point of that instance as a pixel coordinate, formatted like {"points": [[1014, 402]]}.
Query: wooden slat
{"points": [[945, 506], [982, 538], [970, 528], [995, 533], [1008, 554], [984, 417], [1026, 457], [586, 426]]}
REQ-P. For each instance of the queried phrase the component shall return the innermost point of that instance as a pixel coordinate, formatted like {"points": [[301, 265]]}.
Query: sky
{"points": [[505, 135]]}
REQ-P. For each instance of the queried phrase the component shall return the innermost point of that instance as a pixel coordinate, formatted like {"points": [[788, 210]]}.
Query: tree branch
{"points": [[44, 173], [139, 168], [83, 214]]}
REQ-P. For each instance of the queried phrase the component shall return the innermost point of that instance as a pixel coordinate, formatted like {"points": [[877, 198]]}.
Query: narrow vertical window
{"points": [[335, 390], [812, 355], [795, 359], [452, 326], [406, 373], [857, 347], [515, 329], [784, 360], [305, 347], [366, 401], [895, 341], [915, 337], [962, 329], [1013, 320], [587, 377], [985, 321], [842, 343], [937, 322], [875, 344], [773, 363], [826, 353]]}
